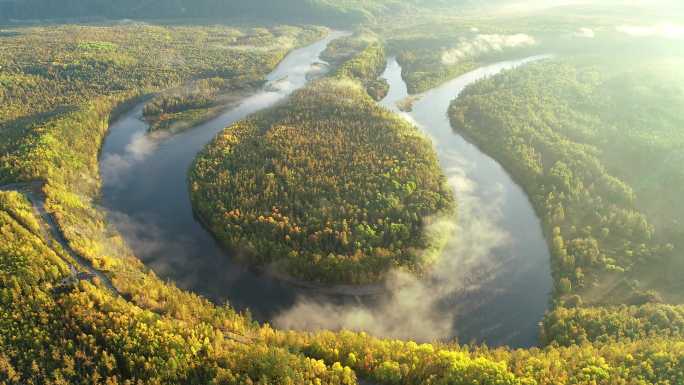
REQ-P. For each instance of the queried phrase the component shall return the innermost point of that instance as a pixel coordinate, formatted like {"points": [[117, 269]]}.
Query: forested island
{"points": [[347, 192], [332, 188], [361, 57]]}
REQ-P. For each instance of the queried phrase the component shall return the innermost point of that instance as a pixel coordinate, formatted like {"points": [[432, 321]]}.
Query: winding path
{"points": [[33, 191]]}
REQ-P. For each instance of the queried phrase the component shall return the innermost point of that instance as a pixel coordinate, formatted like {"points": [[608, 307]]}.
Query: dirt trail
{"points": [[34, 193]]}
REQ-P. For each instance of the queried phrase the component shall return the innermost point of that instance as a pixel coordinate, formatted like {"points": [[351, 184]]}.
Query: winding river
{"points": [[492, 285], [498, 253]]}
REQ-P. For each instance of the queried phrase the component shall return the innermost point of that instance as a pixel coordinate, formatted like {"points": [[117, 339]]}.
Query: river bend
{"points": [[493, 282]]}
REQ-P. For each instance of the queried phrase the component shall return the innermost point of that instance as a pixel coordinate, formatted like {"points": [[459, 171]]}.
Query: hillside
{"points": [[590, 163], [591, 139], [336, 12]]}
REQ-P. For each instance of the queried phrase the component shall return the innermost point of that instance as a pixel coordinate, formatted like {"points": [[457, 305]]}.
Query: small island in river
{"points": [[328, 187]]}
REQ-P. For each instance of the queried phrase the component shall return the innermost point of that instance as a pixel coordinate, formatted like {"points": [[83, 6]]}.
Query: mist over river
{"points": [[492, 283], [496, 272]]}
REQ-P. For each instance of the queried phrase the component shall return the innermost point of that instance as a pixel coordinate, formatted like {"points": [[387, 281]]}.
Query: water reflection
{"points": [[492, 285]]}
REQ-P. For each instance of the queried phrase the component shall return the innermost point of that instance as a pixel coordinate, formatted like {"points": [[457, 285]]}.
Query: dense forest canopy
{"points": [[50, 9], [50, 334], [346, 12], [325, 12], [348, 191], [198, 101], [592, 142], [361, 57], [594, 135]]}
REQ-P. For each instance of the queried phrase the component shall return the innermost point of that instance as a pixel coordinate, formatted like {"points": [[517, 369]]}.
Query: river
{"points": [[498, 252], [145, 194]]}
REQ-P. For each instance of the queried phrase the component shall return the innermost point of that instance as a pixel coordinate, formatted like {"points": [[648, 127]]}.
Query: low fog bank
{"points": [[423, 309]]}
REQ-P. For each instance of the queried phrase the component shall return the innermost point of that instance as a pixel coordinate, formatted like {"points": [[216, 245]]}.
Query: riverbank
{"points": [[500, 238]]}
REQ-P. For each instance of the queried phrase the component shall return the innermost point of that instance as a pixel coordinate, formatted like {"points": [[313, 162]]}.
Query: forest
{"points": [[89, 335], [196, 102], [59, 92], [593, 135], [360, 57], [336, 13], [347, 191], [591, 138], [595, 189], [432, 50]]}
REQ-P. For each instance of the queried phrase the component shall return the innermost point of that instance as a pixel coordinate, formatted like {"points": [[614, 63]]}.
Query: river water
{"points": [[495, 290], [496, 273], [145, 192]]}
